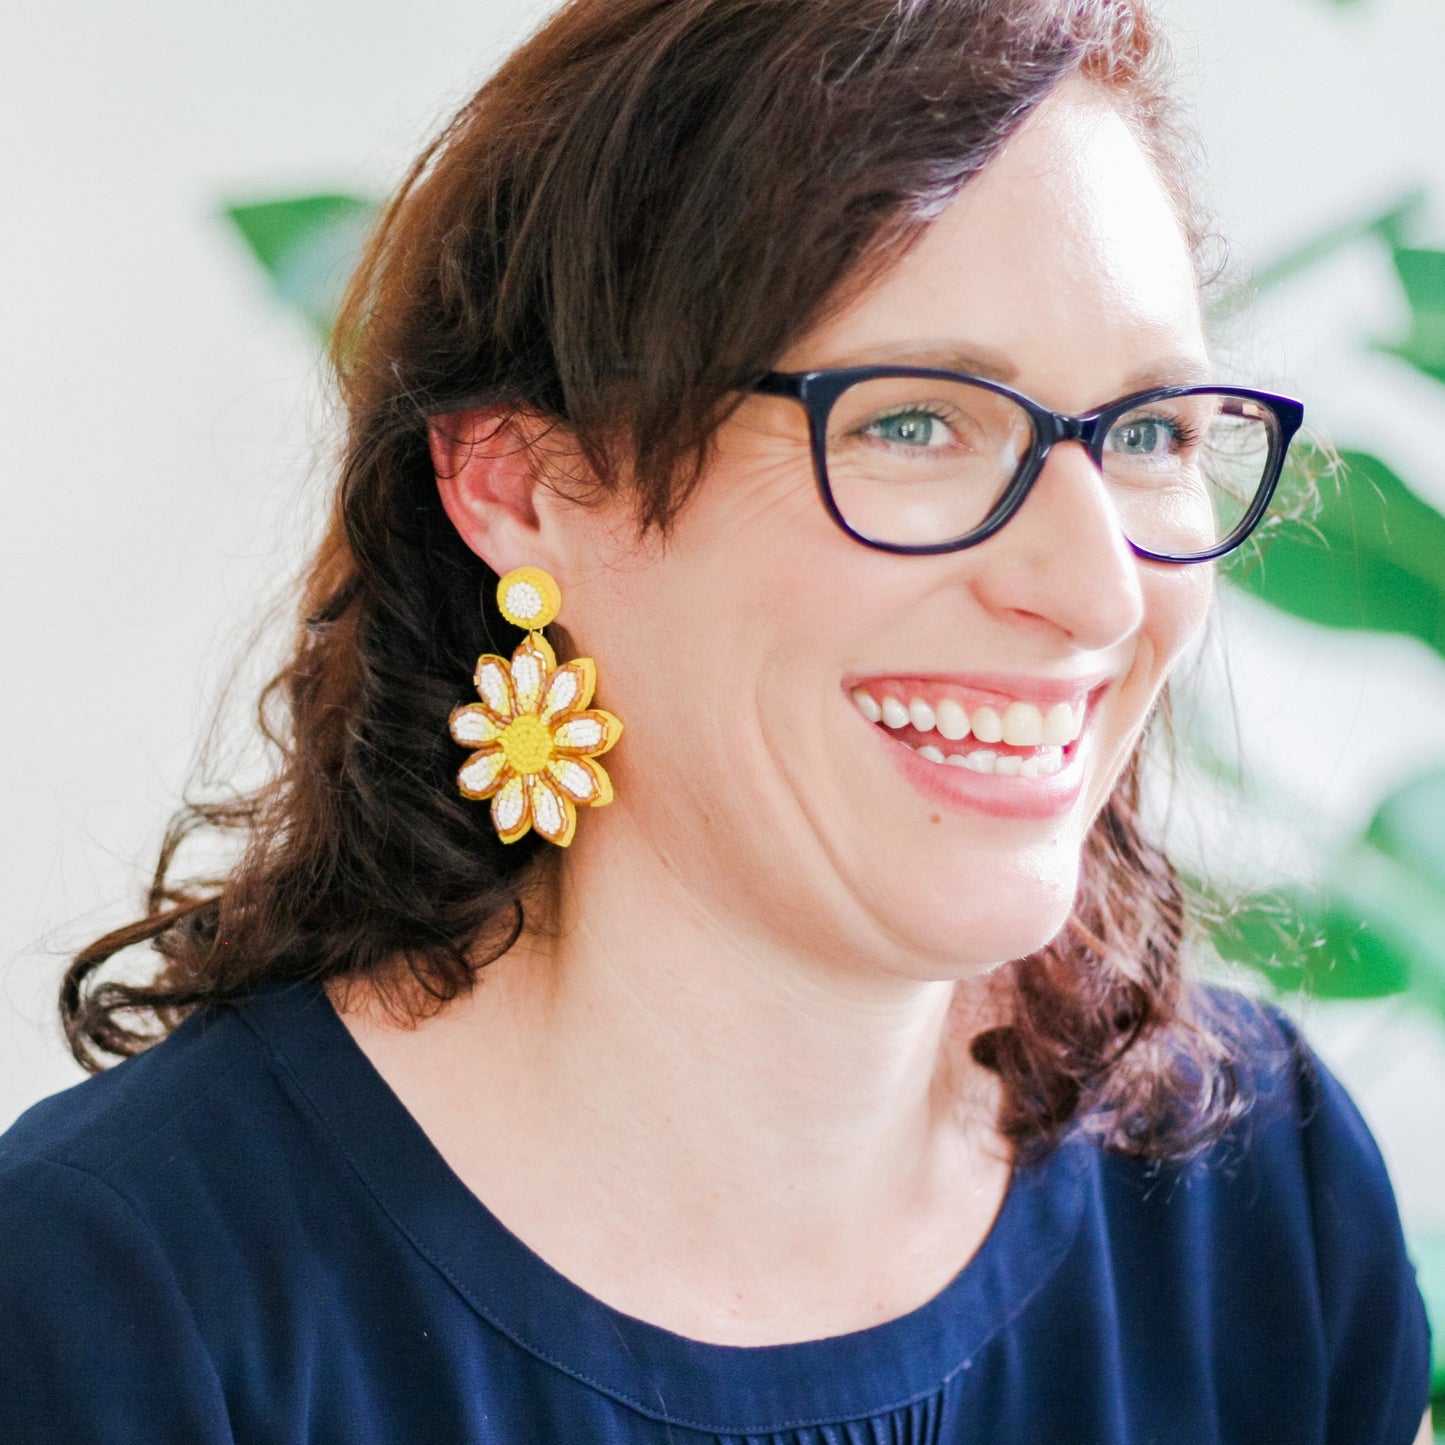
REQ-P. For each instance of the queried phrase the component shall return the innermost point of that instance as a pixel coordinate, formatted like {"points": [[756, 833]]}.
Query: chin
{"points": [[969, 928]]}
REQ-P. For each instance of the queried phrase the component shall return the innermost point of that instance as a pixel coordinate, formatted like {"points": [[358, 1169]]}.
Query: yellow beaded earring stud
{"points": [[535, 737]]}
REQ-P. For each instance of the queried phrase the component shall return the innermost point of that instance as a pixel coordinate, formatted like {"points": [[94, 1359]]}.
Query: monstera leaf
{"points": [[1371, 555], [1422, 275], [1392, 226], [308, 246], [1376, 923]]}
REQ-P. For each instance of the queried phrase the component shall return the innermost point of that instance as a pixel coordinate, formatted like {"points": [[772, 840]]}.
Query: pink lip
{"points": [[1005, 686]]}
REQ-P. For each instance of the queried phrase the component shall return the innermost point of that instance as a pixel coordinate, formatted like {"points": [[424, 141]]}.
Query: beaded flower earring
{"points": [[535, 736]]}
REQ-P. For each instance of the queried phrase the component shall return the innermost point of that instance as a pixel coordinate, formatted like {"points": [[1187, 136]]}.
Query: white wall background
{"points": [[159, 420]]}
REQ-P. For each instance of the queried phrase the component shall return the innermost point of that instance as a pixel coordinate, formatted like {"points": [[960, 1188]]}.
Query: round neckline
{"points": [[725, 1389]]}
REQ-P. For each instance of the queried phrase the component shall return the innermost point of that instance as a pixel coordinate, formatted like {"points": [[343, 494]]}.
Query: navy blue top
{"points": [[242, 1235]]}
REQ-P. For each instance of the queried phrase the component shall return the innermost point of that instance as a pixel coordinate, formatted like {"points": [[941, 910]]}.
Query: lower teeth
{"points": [[1042, 764]]}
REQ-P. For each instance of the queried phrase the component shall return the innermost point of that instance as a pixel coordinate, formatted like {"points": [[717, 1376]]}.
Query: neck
{"points": [[765, 1114]]}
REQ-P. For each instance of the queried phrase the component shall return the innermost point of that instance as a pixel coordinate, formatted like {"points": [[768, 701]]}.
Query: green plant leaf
{"points": [[1391, 225], [1370, 556], [308, 246], [1376, 924], [1410, 826], [1396, 879], [1399, 922], [1312, 941], [1422, 274]]}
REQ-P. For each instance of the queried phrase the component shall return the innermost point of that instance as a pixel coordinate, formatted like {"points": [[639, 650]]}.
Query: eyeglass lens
{"points": [[915, 461]]}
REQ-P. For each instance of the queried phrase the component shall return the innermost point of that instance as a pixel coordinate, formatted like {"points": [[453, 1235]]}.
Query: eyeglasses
{"points": [[913, 460]]}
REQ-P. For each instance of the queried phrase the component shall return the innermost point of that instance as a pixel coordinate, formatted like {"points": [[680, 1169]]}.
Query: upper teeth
{"points": [[1022, 724]]}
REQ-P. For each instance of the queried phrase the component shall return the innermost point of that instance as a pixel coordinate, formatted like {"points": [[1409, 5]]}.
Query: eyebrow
{"points": [[1180, 369]]}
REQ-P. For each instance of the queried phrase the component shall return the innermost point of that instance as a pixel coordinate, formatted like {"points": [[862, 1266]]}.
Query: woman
{"points": [[833, 372]]}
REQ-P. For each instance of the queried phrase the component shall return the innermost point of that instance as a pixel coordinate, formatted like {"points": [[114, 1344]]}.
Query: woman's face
{"points": [[749, 653]]}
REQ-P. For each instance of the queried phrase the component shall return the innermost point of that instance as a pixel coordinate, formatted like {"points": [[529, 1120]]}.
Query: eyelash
{"points": [[1185, 434], [932, 410]]}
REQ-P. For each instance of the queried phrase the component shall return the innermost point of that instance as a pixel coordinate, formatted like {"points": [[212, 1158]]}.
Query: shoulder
{"points": [[1301, 1146], [1284, 1236], [1301, 1137], [1372, 1312], [197, 1152], [154, 1144], [112, 1195], [128, 1125]]}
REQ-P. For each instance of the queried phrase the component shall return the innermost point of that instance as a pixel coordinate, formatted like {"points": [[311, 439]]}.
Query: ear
{"points": [[490, 470]]}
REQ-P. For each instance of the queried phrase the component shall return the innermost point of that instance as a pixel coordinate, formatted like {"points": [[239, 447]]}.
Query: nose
{"points": [[1062, 558]]}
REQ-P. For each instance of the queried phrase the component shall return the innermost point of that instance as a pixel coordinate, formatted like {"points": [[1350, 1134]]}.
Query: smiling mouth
{"points": [[984, 733]]}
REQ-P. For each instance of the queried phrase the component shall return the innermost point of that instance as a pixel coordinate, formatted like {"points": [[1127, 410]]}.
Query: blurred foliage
{"points": [[1374, 925], [1391, 226], [1363, 551], [1422, 274], [308, 247], [1370, 555]]}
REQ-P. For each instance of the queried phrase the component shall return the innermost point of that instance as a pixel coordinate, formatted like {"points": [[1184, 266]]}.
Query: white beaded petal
{"points": [[493, 687], [576, 780], [562, 693], [509, 805], [547, 815], [479, 773], [580, 733], [471, 726], [528, 675]]}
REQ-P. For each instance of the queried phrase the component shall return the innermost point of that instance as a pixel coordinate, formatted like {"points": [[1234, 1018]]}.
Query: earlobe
{"points": [[487, 476]]}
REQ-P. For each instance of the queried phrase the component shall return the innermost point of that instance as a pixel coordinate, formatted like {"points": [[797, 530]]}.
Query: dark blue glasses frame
{"points": [[819, 390]]}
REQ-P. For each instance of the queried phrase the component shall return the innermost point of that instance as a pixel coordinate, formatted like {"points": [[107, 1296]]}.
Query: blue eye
{"points": [[1148, 436], [909, 429]]}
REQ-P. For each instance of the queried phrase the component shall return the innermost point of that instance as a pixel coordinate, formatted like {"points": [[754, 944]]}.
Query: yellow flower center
{"points": [[527, 743]]}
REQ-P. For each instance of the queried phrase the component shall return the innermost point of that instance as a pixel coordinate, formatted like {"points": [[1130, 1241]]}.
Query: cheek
{"points": [[756, 569], [1176, 602], [704, 634]]}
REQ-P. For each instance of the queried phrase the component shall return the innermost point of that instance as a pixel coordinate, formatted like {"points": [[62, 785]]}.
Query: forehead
{"points": [[1062, 267]]}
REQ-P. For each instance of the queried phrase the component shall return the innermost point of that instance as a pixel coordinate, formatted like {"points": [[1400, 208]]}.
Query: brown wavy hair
{"points": [[641, 209]]}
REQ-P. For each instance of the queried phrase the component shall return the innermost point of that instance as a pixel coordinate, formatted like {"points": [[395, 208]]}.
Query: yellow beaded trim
{"points": [[529, 597]]}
